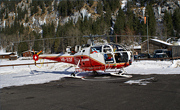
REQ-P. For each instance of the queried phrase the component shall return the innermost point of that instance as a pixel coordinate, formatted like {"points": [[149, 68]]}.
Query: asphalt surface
{"points": [[162, 92]]}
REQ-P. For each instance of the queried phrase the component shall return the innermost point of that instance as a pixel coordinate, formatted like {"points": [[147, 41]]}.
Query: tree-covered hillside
{"points": [[23, 20]]}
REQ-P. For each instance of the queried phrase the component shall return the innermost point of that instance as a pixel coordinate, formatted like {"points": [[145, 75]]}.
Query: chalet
{"points": [[28, 53], [8, 55]]}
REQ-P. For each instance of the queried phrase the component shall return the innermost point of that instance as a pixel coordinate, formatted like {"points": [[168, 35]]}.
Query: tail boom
{"points": [[65, 59]]}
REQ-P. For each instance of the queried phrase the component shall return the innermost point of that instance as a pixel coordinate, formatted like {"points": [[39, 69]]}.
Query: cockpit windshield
{"points": [[117, 47], [107, 48], [96, 48]]}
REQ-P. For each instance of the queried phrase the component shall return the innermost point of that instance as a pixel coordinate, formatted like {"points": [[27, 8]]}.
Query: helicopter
{"points": [[96, 55]]}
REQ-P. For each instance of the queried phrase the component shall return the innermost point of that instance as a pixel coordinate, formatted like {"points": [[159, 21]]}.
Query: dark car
{"points": [[142, 56], [161, 51], [160, 55]]}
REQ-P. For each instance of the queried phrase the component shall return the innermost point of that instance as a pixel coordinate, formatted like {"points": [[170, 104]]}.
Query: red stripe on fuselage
{"points": [[66, 59], [97, 65]]}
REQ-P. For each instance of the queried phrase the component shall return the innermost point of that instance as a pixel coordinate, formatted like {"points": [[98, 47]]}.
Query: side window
{"points": [[119, 48], [108, 58], [107, 49]]}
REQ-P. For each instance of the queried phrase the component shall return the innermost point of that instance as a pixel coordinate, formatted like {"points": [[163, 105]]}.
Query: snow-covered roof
{"points": [[6, 53], [160, 41], [29, 51], [137, 47], [3, 52]]}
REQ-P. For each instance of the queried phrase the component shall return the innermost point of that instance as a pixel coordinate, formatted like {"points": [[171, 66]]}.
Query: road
{"points": [[161, 93]]}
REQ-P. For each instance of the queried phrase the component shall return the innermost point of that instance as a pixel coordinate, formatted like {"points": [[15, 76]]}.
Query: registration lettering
{"points": [[85, 59], [66, 59]]}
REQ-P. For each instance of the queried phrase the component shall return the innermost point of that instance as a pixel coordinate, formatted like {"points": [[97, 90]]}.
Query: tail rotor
{"points": [[36, 56]]}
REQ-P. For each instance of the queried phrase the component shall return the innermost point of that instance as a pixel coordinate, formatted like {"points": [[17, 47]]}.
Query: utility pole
{"points": [[146, 22], [147, 36]]}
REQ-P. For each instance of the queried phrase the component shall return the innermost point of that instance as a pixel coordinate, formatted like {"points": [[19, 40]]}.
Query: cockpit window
{"points": [[97, 49], [117, 48], [107, 48]]}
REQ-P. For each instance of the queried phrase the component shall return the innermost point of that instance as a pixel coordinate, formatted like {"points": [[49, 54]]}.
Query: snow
{"points": [[137, 47], [30, 74], [124, 2], [84, 13], [2, 51], [160, 41]]}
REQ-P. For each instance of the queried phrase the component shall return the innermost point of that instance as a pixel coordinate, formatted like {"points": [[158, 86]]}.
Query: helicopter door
{"points": [[121, 57], [108, 54]]}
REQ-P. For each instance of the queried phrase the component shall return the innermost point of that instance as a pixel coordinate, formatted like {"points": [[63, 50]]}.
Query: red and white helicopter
{"points": [[95, 56]]}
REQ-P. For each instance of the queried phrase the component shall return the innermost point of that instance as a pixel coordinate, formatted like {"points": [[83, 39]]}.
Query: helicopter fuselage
{"points": [[97, 57]]}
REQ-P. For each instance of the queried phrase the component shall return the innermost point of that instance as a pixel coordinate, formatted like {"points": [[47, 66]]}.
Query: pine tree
{"points": [[120, 23], [99, 8], [37, 44], [151, 20], [136, 25], [90, 2], [168, 23], [62, 8], [22, 46], [176, 20], [129, 19], [6, 17], [107, 16]]}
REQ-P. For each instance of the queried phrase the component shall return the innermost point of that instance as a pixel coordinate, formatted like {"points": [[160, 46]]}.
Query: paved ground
{"points": [[162, 93]]}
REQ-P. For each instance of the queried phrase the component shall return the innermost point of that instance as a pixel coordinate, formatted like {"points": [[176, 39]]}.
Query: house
{"points": [[28, 53], [155, 44], [8, 55]]}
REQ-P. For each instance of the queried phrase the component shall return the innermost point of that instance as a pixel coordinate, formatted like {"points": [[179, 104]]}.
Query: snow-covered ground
{"points": [[23, 75]]}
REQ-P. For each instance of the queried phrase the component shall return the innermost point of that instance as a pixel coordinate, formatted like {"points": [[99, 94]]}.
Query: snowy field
{"points": [[24, 75]]}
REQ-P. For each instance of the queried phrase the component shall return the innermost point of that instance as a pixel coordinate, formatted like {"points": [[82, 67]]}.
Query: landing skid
{"points": [[121, 73], [75, 74]]}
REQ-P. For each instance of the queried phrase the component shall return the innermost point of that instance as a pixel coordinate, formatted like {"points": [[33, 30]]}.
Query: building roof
{"points": [[137, 47], [6, 53], [28, 51], [162, 42]]}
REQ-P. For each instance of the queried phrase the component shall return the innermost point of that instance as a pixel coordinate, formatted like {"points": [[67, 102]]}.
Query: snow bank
{"points": [[23, 75], [30, 74], [154, 67], [176, 64]]}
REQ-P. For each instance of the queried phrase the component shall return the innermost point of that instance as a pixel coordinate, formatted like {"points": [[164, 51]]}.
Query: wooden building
{"points": [[28, 53], [155, 44], [136, 50], [8, 55]]}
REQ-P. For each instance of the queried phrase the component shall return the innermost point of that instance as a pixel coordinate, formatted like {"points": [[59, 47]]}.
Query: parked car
{"points": [[161, 51], [160, 55], [142, 56]]}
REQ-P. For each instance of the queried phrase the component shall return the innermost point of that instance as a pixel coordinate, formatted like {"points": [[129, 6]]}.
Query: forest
{"points": [[126, 23]]}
